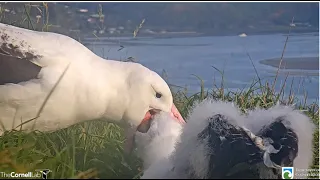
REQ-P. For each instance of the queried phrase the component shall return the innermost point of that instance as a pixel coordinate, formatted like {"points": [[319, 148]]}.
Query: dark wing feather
{"points": [[229, 146], [284, 139], [16, 65], [234, 155]]}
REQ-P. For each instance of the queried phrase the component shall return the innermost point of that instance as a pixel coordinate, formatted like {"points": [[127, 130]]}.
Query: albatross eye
{"points": [[158, 95]]}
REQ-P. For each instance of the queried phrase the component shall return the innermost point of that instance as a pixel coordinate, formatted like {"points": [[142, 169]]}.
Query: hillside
{"points": [[122, 18]]}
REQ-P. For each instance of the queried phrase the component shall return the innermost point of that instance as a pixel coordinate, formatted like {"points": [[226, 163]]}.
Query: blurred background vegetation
{"points": [[120, 19]]}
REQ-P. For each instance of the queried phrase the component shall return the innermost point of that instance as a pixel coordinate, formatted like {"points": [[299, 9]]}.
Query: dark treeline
{"points": [[199, 17]]}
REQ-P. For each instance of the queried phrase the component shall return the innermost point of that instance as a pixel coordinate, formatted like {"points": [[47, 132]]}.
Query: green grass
{"points": [[94, 149], [98, 145]]}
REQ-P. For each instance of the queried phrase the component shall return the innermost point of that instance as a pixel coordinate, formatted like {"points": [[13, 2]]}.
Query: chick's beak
{"points": [[145, 125]]}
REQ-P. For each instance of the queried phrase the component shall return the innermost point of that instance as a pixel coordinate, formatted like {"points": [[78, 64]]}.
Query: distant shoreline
{"points": [[204, 34], [126, 38], [296, 63]]}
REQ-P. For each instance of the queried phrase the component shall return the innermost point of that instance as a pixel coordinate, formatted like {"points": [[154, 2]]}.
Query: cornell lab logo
{"points": [[44, 173], [287, 172]]}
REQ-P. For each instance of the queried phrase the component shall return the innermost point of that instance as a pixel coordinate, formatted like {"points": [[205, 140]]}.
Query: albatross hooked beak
{"points": [[145, 125]]}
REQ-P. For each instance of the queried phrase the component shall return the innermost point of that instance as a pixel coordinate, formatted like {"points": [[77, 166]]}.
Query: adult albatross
{"points": [[82, 86]]}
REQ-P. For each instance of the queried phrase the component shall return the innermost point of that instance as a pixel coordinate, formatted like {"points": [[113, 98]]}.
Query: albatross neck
{"points": [[108, 89]]}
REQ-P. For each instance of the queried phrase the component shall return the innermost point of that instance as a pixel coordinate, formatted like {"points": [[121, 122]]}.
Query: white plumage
{"points": [[159, 141], [31, 63], [190, 156]]}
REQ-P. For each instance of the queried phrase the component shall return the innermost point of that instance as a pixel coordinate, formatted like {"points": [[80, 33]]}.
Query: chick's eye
{"points": [[158, 95]]}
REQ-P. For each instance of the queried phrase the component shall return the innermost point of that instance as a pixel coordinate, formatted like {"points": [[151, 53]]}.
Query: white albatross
{"points": [[220, 142], [87, 86]]}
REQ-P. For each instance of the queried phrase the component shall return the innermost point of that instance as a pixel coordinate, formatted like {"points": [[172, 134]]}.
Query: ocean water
{"points": [[180, 58]]}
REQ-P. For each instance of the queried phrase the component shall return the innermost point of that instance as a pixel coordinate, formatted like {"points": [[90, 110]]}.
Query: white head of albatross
{"points": [[154, 97], [87, 86]]}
